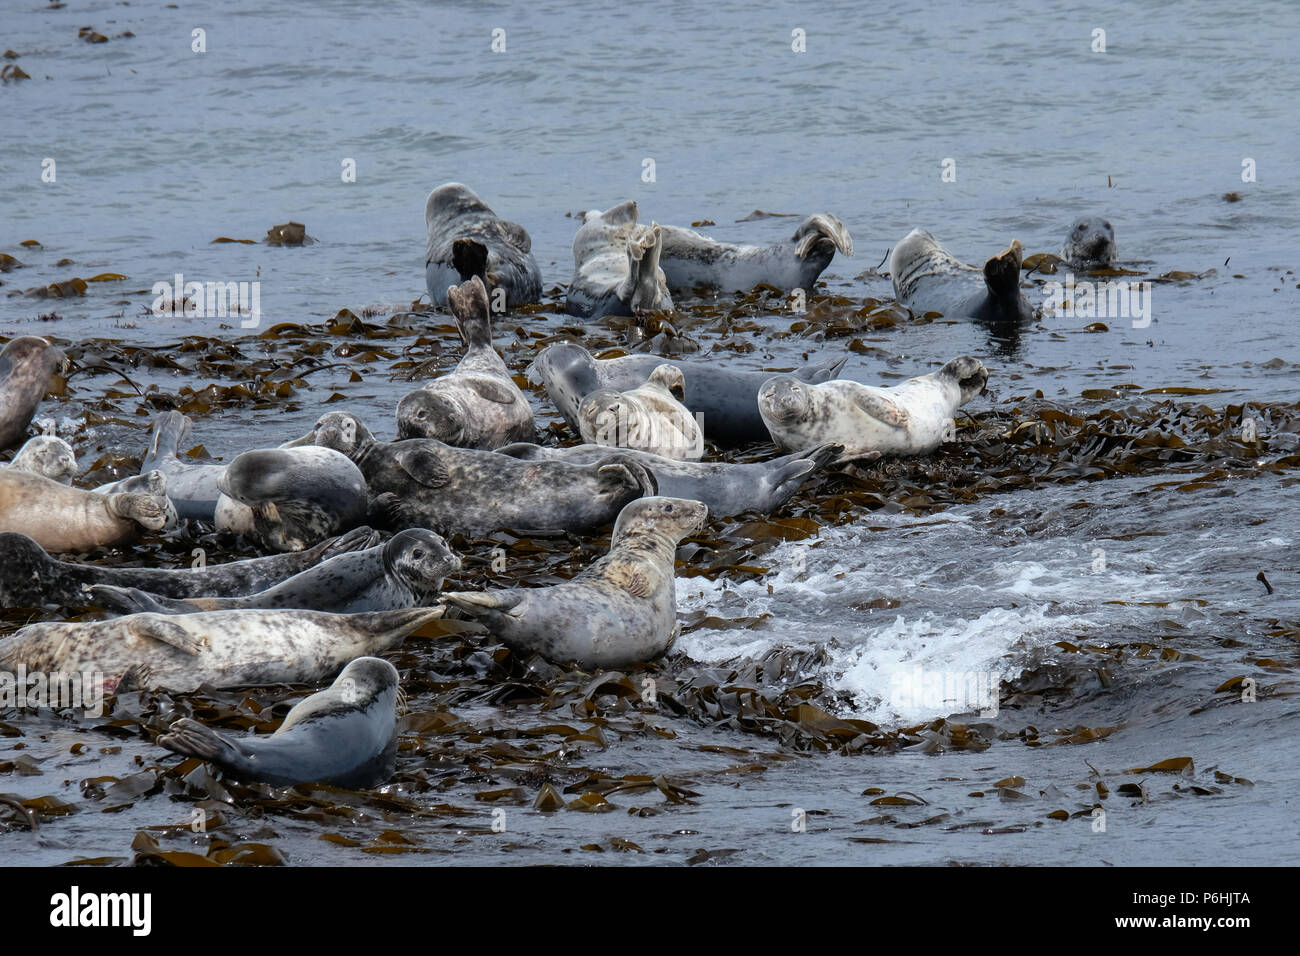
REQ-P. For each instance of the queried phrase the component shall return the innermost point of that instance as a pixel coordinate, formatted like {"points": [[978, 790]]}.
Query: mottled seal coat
{"points": [[425, 483], [31, 578], [616, 266], [726, 398], [49, 456], [61, 518], [928, 279], [478, 404], [727, 489], [1090, 244], [345, 735], [621, 610], [406, 571], [26, 365], [222, 648], [650, 417], [690, 259], [467, 239], [291, 498], [912, 418]]}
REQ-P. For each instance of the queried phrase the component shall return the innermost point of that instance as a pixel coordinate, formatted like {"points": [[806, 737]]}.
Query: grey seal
{"points": [[621, 610], [477, 405], [929, 279], [467, 239], [912, 418], [690, 259], [62, 518], [616, 266], [726, 398], [26, 365], [345, 735], [47, 455], [191, 486], [650, 417], [1090, 244]]}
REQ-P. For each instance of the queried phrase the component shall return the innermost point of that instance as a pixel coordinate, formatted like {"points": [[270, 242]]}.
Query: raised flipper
{"points": [[643, 261], [882, 409], [469, 304], [159, 628], [190, 738], [170, 430], [144, 510], [1002, 272], [469, 258], [822, 226], [475, 603], [825, 371]]}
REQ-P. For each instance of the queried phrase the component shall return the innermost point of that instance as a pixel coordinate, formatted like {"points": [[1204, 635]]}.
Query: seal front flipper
{"points": [[144, 510], [492, 391], [157, 628], [884, 410], [189, 738], [423, 466], [626, 471]]}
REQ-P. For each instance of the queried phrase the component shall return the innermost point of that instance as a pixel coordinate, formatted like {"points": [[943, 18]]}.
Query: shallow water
{"points": [[159, 150]]}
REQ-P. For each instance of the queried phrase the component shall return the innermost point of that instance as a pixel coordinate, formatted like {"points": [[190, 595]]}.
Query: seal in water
{"points": [[650, 417], [31, 578], [912, 418], [928, 279], [621, 610], [345, 736], [407, 571], [467, 239], [727, 489], [1090, 244], [690, 259], [49, 456], [423, 482], [288, 499], [181, 652], [725, 398], [478, 405], [62, 518], [616, 266], [26, 365]]}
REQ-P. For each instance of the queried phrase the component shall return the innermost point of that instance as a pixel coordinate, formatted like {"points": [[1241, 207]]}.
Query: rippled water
{"points": [[158, 150]]}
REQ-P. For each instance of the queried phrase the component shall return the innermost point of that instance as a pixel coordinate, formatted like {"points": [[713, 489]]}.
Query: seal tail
{"points": [[469, 304], [189, 738], [469, 258], [476, 603], [626, 471], [643, 263], [392, 627], [822, 226], [1002, 272], [170, 429]]}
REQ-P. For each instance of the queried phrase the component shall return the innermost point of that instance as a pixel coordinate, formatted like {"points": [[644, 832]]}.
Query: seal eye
{"points": [[418, 553], [1106, 224], [668, 509], [1080, 227], [422, 414]]}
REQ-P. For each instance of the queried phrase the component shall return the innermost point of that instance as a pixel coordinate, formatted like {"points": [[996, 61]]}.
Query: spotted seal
{"points": [[690, 259], [478, 405], [616, 266], [47, 455], [26, 365], [467, 239], [345, 735], [619, 611], [650, 417], [63, 518], [912, 418], [928, 279], [1090, 244]]}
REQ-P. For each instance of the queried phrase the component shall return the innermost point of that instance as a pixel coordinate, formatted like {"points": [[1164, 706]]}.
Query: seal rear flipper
{"points": [[1002, 272], [189, 738], [882, 409], [469, 304], [475, 603], [358, 539], [170, 429], [160, 629], [131, 600], [824, 371], [469, 258], [147, 511], [819, 227], [806, 463], [643, 263]]}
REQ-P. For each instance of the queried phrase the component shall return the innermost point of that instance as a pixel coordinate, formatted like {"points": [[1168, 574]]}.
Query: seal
{"points": [[912, 418], [422, 482], [691, 260], [928, 279], [407, 571], [154, 484], [467, 239], [31, 578], [726, 489], [181, 652], [619, 611], [616, 266], [345, 736], [26, 365], [288, 499], [725, 398], [650, 417], [192, 487], [478, 404], [1090, 244], [49, 456], [62, 518]]}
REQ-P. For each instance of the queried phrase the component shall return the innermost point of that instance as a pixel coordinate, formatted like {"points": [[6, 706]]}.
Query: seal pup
{"points": [[467, 239], [423, 482], [1090, 244], [621, 610], [650, 417], [47, 455], [345, 735], [62, 518], [727, 489], [26, 365], [478, 404], [181, 652], [725, 398], [31, 578], [288, 499], [928, 279], [690, 259], [616, 266], [406, 571], [912, 418]]}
